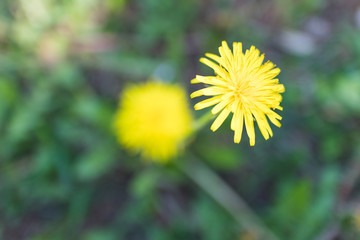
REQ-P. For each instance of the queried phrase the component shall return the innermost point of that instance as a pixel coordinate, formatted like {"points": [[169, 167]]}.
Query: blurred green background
{"points": [[63, 64]]}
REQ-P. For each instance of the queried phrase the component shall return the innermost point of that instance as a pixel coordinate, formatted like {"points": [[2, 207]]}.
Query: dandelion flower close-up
{"points": [[153, 118], [244, 86], [138, 119]]}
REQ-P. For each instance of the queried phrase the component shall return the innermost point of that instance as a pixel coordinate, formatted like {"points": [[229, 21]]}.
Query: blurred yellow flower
{"points": [[244, 86], [356, 218], [248, 236], [153, 119]]}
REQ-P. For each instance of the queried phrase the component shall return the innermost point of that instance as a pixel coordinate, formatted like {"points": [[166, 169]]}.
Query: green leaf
{"points": [[100, 234], [319, 213], [213, 222], [219, 155], [96, 162], [145, 183], [293, 200]]}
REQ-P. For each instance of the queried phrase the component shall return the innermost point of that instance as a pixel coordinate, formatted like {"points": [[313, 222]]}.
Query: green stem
{"points": [[203, 120], [226, 197]]}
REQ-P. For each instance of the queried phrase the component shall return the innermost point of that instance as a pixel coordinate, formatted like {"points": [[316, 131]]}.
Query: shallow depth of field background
{"points": [[63, 65]]}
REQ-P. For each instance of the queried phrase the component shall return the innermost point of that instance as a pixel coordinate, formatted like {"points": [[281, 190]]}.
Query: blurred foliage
{"points": [[63, 64]]}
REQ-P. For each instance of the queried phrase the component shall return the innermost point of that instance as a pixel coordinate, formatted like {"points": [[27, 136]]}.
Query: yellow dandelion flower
{"points": [[153, 119], [243, 85]]}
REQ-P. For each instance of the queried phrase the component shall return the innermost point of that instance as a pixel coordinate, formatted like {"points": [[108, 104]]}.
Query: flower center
{"points": [[237, 91]]}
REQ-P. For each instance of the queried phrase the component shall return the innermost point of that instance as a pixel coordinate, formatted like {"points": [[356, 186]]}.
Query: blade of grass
{"points": [[227, 198]]}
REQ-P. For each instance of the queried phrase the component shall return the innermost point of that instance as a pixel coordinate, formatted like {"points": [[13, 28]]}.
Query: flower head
{"points": [[153, 119], [243, 85]]}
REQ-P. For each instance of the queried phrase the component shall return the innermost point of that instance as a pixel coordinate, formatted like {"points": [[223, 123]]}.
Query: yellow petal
{"points": [[262, 124], [279, 88], [270, 74], [209, 91], [249, 54], [249, 124], [208, 102], [195, 81], [225, 101], [237, 124], [237, 48], [274, 117], [226, 56], [227, 51], [214, 57], [218, 70], [238, 55], [220, 119], [212, 80], [237, 135], [236, 110]]}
